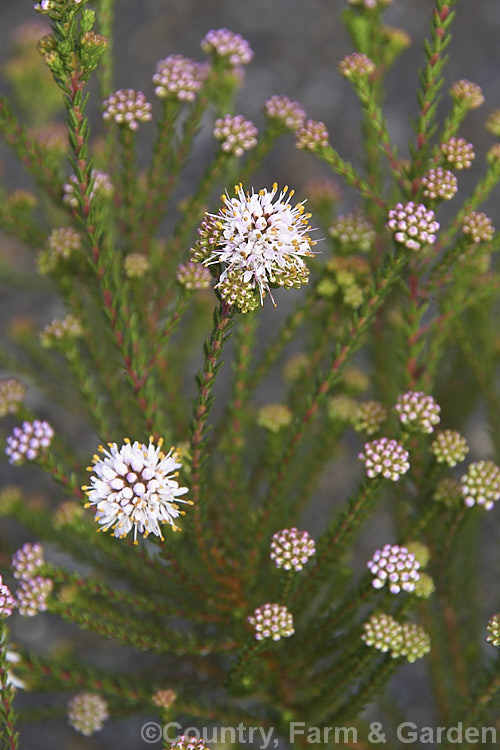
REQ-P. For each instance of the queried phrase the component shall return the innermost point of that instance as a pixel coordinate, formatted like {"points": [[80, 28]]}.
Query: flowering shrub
{"points": [[223, 565]]}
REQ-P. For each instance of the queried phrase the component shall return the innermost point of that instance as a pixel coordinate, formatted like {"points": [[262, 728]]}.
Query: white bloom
{"points": [[134, 487], [263, 238]]}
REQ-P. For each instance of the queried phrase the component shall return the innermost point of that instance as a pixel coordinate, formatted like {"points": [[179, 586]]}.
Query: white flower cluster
{"points": [[134, 487]]}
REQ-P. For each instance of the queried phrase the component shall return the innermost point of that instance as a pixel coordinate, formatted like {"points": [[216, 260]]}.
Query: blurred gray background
{"points": [[297, 48]]}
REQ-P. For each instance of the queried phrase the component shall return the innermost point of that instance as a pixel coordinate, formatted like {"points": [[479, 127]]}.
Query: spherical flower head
{"points": [[28, 441], [395, 566], [413, 225], [285, 112], [134, 487], [179, 78], [356, 66], [449, 447], [193, 276], [291, 549], [274, 417], [312, 136], [272, 621], [353, 233], [127, 108], [136, 265], [341, 408], [481, 485], [236, 134], [382, 632], [164, 698], [493, 122], [228, 45], [62, 245], [188, 742], [386, 457], [439, 184], [67, 513], [493, 629], [448, 492], [63, 331], [415, 643], [12, 393], [424, 587], [369, 417], [101, 188], [478, 227], [27, 561], [32, 595], [418, 411], [458, 152], [467, 93], [370, 4], [261, 239], [7, 602], [87, 713]]}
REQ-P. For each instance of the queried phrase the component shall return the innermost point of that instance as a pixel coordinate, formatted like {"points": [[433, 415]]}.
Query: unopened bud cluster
{"points": [[369, 416], [493, 629], [413, 225], [458, 152], [449, 447], [395, 566], [164, 698], [408, 640], [385, 457], [193, 276], [60, 331], [136, 265], [227, 45], [285, 112], [478, 227], [180, 78], [272, 621], [62, 245], [439, 184], [481, 485], [274, 417], [27, 561], [128, 108], [418, 410], [32, 595], [28, 441], [312, 136], [236, 134], [87, 713], [291, 549], [353, 233], [356, 65], [467, 93]]}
